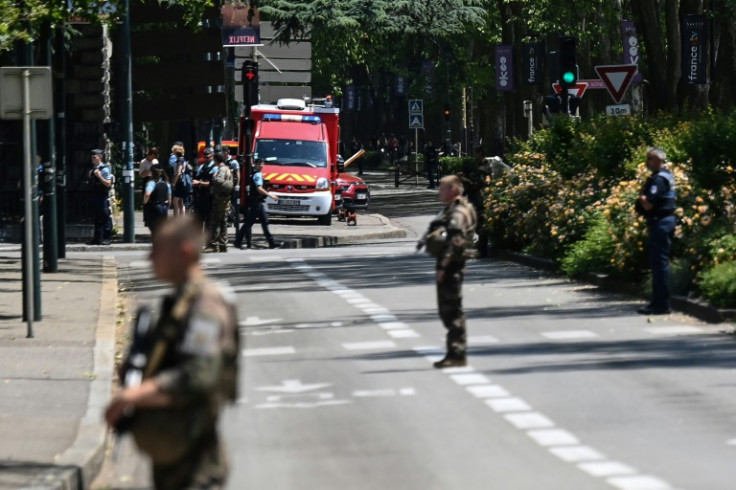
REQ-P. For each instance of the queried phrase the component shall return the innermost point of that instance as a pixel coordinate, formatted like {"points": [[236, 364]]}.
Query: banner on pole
{"points": [[505, 68], [631, 48], [533, 63], [694, 50]]}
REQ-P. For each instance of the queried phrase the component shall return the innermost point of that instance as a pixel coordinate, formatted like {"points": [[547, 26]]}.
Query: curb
{"points": [[77, 467], [695, 308], [289, 242]]}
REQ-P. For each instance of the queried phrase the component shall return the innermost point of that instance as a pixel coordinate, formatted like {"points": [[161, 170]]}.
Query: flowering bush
{"points": [[582, 213]]}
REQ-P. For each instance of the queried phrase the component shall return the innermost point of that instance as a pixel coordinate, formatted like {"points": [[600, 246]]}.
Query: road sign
{"points": [[594, 84], [576, 91], [11, 90], [416, 106], [617, 79], [416, 121], [618, 110]]}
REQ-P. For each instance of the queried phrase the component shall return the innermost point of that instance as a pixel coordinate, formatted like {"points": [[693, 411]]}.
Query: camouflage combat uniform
{"points": [[459, 219], [197, 366], [218, 212]]}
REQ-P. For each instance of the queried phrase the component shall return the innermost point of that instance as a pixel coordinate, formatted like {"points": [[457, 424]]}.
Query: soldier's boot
{"points": [[451, 360]]}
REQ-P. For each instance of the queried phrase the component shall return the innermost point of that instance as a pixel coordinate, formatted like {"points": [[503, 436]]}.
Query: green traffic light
{"points": [[568, 77]]}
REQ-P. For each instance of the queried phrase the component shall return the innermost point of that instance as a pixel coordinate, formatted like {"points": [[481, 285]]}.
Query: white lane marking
{"points": [[470, 379], [434, 358], [374, 310], [270, 331], [293, 386], [639, 482], [384, 318], [603, 469], [207, 260], [503, 405], [254, 321], [458, 370], [139, 264], [318, 325], [427, 349], [356, 301], [532, 420], [403, 334], [384, 393], [487, 391], [373, 393], [326, 403], [268, 351], [376, 344], [570, 335], [481, 340], [553, 437], [576, 454], [676, 330], [393, 325]]}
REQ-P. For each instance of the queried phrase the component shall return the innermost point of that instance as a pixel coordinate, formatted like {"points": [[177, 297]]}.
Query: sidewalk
{"points": [[53, 387]]}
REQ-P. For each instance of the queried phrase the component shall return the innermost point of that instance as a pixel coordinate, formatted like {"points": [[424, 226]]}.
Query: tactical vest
{"points": [[437, 235], [160, 193], [253, 194], [665, 205]]}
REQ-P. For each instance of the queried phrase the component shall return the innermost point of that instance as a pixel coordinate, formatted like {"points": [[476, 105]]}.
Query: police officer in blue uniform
{"points": [[257, 195], [100, 178], [657, 203]]}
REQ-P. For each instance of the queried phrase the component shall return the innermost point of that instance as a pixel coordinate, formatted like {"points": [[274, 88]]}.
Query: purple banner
{"points": [[400, 86], [694, 50], [504, 68], [631, 48]]}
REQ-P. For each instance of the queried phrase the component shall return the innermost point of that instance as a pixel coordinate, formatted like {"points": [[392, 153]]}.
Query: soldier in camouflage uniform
{"points": [[191, 370], [221, 188], [449, 239]]}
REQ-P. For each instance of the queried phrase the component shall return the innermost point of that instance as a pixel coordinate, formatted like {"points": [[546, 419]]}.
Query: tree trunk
{"points": [[647, 23]]}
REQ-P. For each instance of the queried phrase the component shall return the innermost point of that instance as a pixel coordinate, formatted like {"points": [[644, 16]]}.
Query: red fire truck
{"points": [[298, 143]]}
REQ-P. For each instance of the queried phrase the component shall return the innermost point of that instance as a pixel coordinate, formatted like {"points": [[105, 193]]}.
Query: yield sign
{"points": [[617, 79], [577, 91]]}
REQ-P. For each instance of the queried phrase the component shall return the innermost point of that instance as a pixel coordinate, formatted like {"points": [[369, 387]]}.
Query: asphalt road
{"points": [[567, 389]]}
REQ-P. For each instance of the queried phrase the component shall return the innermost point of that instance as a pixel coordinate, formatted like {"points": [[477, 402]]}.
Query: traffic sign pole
{"points": [[27, 197]]}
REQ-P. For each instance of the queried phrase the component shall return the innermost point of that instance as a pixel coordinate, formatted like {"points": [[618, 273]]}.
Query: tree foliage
{"points": [[22, 21]]}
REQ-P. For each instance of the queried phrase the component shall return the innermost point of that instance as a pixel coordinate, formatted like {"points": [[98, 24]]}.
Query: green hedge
{"points": [[570, 196]]}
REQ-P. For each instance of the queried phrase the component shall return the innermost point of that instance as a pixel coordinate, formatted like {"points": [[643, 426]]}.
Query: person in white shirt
{"points": [[144, 168]]}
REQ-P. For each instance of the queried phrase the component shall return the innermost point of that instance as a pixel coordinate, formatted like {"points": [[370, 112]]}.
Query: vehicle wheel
{"points": [[325, 219]]}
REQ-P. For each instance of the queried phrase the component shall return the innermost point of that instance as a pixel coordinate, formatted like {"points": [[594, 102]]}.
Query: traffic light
{"points": [[568, 66], [250, 83], [552, 105], [447, 113], [574, 102]]}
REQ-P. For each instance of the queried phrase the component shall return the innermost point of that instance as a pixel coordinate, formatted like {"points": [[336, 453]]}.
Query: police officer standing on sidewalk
{"points": [[657, 204], [100, 178], [191, 369], [449, 238]]}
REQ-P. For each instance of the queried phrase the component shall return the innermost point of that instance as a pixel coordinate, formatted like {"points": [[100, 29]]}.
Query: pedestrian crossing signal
{"points": [[447, 113]]}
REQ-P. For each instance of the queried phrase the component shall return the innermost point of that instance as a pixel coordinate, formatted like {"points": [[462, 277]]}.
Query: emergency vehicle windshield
{"points": [[291, 152]]}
